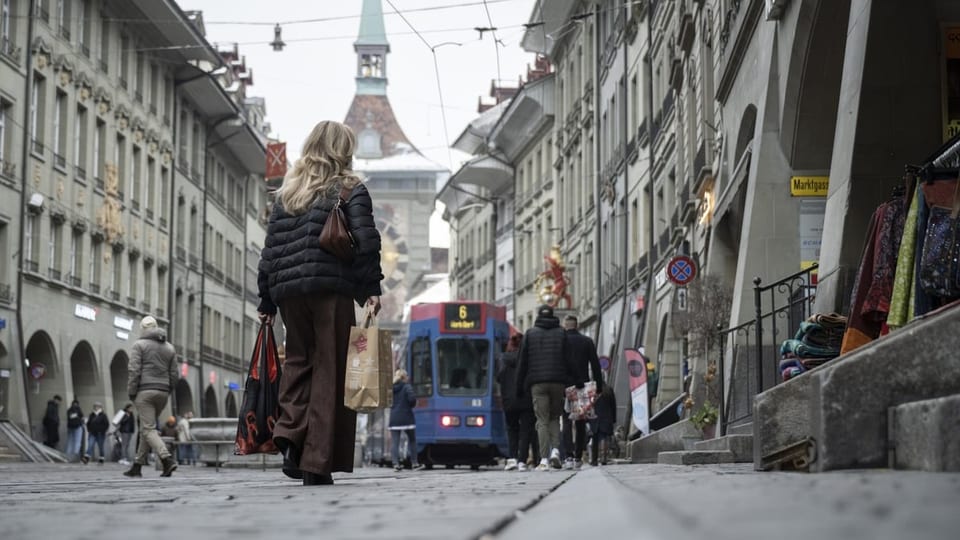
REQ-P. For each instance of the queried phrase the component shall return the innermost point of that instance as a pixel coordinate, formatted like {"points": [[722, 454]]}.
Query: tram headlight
{"points": [[450, 421], [475, 421]]}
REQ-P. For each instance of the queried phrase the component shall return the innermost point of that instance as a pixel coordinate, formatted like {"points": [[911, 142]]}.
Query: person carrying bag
{"points": [[261, 398], [369, 368]]}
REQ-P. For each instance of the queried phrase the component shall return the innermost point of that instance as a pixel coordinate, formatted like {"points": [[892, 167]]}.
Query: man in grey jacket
{"points": [[152, 375]]}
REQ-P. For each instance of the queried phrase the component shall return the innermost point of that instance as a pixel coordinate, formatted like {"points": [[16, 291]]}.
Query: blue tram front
{"points": [[450, 355]]}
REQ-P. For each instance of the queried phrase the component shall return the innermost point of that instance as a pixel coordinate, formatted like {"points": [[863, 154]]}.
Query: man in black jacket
{"points": [[545, 370], [583, 353], [51, 422]]}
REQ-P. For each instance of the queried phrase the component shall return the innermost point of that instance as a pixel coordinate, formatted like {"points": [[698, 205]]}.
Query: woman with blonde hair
{"points": [[402, 419], [314, 291]]}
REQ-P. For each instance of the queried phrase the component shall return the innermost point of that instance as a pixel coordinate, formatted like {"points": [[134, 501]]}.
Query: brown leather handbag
{"points": [[336, 238]]}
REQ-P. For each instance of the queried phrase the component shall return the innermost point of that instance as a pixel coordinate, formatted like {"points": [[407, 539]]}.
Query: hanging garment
{"points": [[873, 287], [901, 308]]}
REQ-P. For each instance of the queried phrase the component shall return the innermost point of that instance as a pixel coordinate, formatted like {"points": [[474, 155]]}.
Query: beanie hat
{"points": [[148, 322], [545, 311]]}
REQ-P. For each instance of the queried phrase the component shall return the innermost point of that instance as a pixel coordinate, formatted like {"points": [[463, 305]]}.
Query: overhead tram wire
{"points": [[496, 42], [436, 69]]}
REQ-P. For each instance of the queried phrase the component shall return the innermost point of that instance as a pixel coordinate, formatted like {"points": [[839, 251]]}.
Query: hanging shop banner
{"points": [[637, 367], [276, 160]]}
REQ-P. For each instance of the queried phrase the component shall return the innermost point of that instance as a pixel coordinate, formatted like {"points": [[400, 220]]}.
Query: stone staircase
{"points": [[892, 403]]}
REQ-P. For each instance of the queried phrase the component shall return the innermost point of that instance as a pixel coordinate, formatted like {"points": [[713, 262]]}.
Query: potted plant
{"points": [[705, 419]]}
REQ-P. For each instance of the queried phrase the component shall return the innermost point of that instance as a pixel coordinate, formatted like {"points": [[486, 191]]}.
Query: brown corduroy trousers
{"points": [[312, 415]]}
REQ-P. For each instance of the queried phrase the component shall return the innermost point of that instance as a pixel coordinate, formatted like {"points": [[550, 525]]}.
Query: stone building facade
{"points": [[126, 142]]}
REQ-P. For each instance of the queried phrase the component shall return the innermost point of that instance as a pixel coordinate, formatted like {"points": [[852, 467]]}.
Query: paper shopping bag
{"points": [[368, 384]]}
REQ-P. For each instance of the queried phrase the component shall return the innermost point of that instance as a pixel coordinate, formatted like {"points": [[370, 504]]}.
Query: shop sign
{"points": [[4, 373], [660, 278], [85, 312], [123, 323], [123, 335], [3, 324], [812, 213], [809, 186]]}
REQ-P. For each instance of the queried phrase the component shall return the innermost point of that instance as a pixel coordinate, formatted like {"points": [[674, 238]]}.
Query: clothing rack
{"points": [[949, 158]]}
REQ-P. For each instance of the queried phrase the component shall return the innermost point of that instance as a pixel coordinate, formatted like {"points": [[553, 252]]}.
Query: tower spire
{"points": [[371, 47]]}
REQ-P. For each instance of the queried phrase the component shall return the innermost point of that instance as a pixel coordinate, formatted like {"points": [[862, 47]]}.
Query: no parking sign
{"points": [[37, 371], [681, 270]]}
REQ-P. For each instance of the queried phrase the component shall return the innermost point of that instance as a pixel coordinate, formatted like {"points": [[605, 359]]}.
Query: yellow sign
{"points": [[809, 186]]}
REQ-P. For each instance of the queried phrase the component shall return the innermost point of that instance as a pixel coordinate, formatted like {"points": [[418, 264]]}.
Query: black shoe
{"points": [[291, 457], [169, 465], [314, 479], [134, 471]]}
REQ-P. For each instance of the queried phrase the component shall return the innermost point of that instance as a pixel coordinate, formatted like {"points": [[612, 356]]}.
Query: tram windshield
{"points": [[462, 366]]}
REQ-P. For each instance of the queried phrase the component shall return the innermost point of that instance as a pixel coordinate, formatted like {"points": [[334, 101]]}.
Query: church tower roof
{"points": [[370, 116]]}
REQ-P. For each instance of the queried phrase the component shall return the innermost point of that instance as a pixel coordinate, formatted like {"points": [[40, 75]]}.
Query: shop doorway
{"points": [[43, 380], [118, 379], [231, 406], [84, 374], [210, 406], [184, 398]]}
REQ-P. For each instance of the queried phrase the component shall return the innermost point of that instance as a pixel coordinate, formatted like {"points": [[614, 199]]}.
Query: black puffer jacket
{"points": [[293, 263], [507, 377], [584, 355], [544, 357]]}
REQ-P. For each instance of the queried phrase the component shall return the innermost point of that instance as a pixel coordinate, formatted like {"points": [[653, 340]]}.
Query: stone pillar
{"points": [[889, 115]]}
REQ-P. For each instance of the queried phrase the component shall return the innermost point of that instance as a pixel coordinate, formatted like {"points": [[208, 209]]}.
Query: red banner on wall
{"points": [[276, 160]]}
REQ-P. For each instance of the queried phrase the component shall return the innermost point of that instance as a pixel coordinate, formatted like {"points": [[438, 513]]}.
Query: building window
{"points": [[80, 142], [120, 159], [194, 231], [117, 276], [135, 178], [60, 130], [147, 285], [83, 28], [164, 196], [55, 259], [181, 222], [76, 258], [36, 114], [31, 247], [124, 59], [154, 87], [138, 80], [161, 291], [43, 11], [7, 40], [96, 253], [63, 18], [99, 150], [105, 46], [150, 199], [4, 111], [132, 283]]}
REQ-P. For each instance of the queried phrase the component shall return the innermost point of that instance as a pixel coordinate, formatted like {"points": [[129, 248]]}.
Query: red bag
{"points": [[261, 398]]}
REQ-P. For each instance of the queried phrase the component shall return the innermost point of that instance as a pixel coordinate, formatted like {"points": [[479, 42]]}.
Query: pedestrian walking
{"points": [[314, 290], [152, 375], [74, 430], [544, 369], [126, 426], [517, 410], [97, 426], [583, 354], [402, 420], [51, 422], [603, 426], [185, 449]]}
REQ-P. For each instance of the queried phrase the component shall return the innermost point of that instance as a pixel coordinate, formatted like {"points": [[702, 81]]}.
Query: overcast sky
{"points": [[312, 79]]}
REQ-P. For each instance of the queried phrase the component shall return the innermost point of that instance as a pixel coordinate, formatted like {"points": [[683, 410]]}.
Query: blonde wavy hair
{"points": [[399, 375], [324, 166]]}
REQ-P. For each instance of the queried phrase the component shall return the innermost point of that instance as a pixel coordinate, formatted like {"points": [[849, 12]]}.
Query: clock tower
{"points": [[401, 180]]}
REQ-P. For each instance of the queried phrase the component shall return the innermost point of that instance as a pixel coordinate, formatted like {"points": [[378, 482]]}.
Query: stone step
{"points": [[925, 435], [696, 457], [841, 408], [745, 428], [741, 446], [673, 437]]}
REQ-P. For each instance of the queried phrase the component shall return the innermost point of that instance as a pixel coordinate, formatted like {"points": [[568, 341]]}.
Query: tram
{"points": [[450, 356]]}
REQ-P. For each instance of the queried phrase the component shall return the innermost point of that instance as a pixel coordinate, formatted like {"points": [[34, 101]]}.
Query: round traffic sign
{"points": [[681, 270]]}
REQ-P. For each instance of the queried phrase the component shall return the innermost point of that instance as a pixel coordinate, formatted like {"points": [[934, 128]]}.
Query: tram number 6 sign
{"points": [[681, 270]]}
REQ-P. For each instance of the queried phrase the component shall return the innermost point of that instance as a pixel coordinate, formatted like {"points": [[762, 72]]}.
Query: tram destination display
{"points": [[463, 318]]}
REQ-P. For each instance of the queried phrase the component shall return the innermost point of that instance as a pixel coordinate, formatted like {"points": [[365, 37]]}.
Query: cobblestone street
{"points": [[96, 502]]}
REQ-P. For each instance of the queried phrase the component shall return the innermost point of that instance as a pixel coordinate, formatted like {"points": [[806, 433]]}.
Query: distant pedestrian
{"points": [[517, 410], [583, 354], [51, 422], [97, 426], [402, 420], [603, 426], [74, 430], [126, 426], [545, 370], [152, 375], [185, 450]]}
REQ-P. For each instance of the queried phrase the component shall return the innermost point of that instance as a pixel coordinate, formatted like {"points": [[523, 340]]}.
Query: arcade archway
{"points": [[119, 375], [87, 388], [210, 406], [44, 380], [184, 398], [231, 406]]}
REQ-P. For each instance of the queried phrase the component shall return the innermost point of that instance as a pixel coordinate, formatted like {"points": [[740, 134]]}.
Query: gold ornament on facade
{"points": [[552, 283], [65, 78], [42, 61], [110, 213]]}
